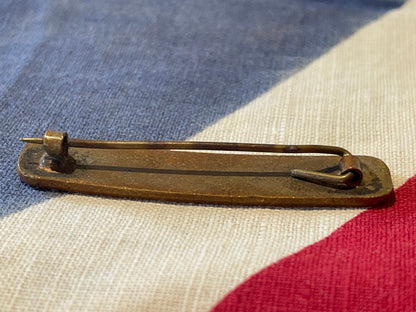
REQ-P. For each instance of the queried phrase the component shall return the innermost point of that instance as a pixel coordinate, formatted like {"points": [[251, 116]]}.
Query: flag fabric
{"points": [[283, 72]]}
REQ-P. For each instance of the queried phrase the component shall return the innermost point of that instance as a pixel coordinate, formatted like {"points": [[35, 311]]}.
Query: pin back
{"points": [[172, 171]]}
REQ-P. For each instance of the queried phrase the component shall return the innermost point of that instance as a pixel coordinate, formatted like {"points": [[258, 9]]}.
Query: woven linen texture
{"points": [[265, 72]]}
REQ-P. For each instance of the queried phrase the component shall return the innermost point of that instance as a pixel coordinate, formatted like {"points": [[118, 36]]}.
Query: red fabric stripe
{"points": [[368, 264]]}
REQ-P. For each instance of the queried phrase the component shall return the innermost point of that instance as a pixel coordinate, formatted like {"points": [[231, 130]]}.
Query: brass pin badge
{"points": [[173, 171]]}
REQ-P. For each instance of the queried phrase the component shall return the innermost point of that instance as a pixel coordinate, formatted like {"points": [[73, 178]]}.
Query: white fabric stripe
{"points": [[84, 253]]}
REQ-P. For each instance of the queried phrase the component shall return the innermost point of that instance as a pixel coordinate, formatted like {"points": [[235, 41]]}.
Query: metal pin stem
{"points": [[190, 145], [350, 168]]}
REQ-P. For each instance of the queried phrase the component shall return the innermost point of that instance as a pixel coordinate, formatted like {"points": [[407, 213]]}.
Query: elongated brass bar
{"points": [[202, 177]]}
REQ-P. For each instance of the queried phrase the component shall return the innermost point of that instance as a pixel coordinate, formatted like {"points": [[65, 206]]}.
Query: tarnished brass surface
{"points": [[203, 177]]}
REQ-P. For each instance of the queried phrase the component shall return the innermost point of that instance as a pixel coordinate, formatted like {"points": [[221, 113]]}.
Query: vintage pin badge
{"points": [[174, 171]]}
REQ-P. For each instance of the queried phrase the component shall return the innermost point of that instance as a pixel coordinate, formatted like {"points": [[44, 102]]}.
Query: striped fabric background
{"points": [[267, 71]]}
